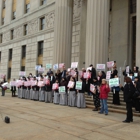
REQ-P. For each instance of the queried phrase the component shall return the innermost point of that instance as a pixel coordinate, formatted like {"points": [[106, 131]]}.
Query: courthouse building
{"points": [[63, 31]]}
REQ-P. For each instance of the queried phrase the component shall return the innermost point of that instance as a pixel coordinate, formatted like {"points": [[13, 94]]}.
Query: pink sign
{"points": [[13, 83], [81, 74], [33, 83], [40, 83], [100, 67], [71, 84], [22, 73], [55, 86], [74, 64], [41, 70], [61, 65], [87, 75], [92, 88], [72, 73], [2, 76], [108, 75], [27, 83], [110, 64]]}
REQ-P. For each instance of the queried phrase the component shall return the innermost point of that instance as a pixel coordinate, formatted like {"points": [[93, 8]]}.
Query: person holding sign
{"points": [[114, 71], [96, 99], [3, 88], [58, 75], [56, 92], [104, 90], [80, 86], [41, 90], [34, 92], [136, 71], [63, 96], [24, 88], [126, 71], [101, 75], [13, 88], [72, 93], [48, 90], [128, 91]]}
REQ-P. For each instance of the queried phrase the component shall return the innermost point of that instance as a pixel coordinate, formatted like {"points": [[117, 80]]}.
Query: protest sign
{"points": [[135, 74], [80, 73], [87, 75], [22, 73], [92, 88], [2, 76], [72, 73], [55, 86], [40, 83], [48, 66], [13, 83], [37, 67], [74, 64], [71, 84], [62, 89], [114, 82], [108, 75], [79, 85], [110, 64], [89, 68], [61, 65], [100, 67], [127, 69], [55, 67], [41, 70]]}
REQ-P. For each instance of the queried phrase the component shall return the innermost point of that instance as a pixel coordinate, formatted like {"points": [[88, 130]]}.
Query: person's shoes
{"points": [[126, 121], [100, 112], [106, 114], [131, 120], [95, 109]]}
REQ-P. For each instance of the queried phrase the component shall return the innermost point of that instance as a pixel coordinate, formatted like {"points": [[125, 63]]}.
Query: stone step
{"points": [[115, 110]]}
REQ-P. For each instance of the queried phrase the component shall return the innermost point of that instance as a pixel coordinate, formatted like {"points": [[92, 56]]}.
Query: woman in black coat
{"points": [[128, 91], [13, 89]]}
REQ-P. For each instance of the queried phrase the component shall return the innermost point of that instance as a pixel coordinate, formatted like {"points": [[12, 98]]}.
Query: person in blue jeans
{"points": [[104, 90]]}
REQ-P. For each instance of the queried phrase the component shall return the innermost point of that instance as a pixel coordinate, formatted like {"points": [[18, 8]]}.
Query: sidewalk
{"points": [[33, 120]]}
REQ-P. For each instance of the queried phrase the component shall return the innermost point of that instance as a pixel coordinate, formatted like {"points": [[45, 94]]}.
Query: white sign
{"points": [[108, 75], [100, 67], [41, 70], [22, 73], [114, 82], [48, 66], [55, 67], [110, 64], [127, 69], [74, 64], [89, 68], [37, 67]]}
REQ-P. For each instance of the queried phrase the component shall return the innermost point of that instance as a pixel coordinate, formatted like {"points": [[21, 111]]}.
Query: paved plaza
{"points": [[33, 120]]}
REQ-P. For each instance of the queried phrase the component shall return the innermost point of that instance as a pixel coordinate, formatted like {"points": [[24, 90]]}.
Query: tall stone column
{"points": [[63, 32], [138, 34], [97, 31]]}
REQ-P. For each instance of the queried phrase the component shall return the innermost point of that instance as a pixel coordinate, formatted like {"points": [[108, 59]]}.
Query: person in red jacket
{"points": [[104, 90]]}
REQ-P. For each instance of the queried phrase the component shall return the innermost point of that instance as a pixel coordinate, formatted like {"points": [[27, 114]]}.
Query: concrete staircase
{"points": [[111, 107]]}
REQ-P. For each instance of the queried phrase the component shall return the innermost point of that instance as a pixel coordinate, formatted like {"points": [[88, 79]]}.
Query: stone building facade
{"points": [[63, 31]]}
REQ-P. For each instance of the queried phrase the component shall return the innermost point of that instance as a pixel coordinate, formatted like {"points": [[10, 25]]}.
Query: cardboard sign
{"points": [[100, 67], [40, 83], [33, 83], [79, 85], [108, 75], [74, 65], [71, 84], [37, 67], [48, 66], [55, 67], [127, 69], [110, 64], [89, 68], [114, 82], [72, 73], [2, 76], [62, 89], [22, 73], [92, 88], [41, 70], [61, 65], [13, 83], [87, 75], [55, 86], [27, 83]]}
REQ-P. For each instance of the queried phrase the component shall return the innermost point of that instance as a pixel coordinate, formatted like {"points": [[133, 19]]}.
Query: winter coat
{"points": [[104, 90]]}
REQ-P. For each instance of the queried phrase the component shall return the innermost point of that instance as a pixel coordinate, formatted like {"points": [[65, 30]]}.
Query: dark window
{"points": [[40, 48], [9, 73], [12, 34], [4, 4], [43, 2], [25, 29], [133, 4], [0, 56], [27, 8], [42, 23], [14, 15], [10, 54], [23, 52], [22, 68], [3, 20], [1, 38]]}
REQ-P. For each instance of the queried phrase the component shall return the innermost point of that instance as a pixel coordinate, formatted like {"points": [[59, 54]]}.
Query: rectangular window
{"points": [[14, 9], [1, 38], [3, 20], [10, 54], [25, 29], [27, 8], [4, 4], [22, 68], [23, 52], [40, 48], [43, 2], [133, 4], [42, 23], [12, 34]]}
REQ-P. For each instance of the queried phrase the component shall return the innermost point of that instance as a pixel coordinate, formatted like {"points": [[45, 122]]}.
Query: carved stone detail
{"points": [[77, 8], [50, 18], [33, 26], [18, 32], [6, 37]]}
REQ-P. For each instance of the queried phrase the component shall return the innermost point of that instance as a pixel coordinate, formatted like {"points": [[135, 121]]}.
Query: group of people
{"points": [[76, 97]]}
